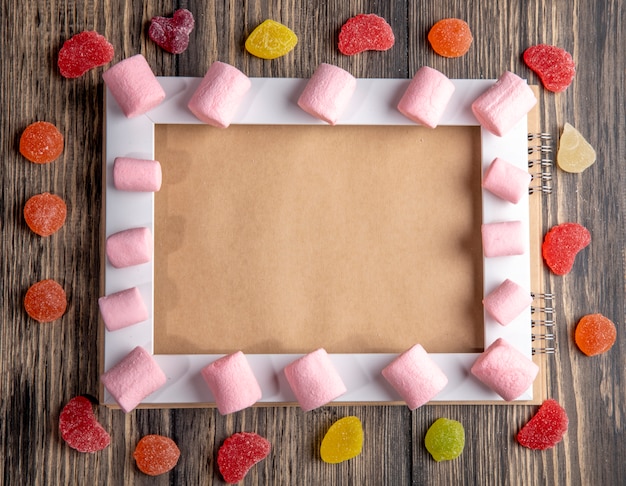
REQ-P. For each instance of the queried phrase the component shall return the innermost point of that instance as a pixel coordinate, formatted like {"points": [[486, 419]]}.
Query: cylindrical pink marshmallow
{"points": [[415, 376], [328, 92], [506, 181], [130, 247], [219, 95], [504, 104], [122, 309], [505, 370], [138, 175], [503, 239], [427, 97], [314, 380], [134, 86], [135, 377], [232, 382], [507, 302]]}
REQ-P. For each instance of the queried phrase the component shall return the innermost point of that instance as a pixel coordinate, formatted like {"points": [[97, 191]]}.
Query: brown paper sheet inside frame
{"points": [[283, 239]]}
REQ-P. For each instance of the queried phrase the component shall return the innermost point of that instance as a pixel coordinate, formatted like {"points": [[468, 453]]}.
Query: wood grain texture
{"points": [[43, 366]]}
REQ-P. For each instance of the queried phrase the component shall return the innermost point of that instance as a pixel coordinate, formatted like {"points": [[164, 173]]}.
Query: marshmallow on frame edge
{"points": [[507, 301], [506, 181], [504, 104], [505, 370], [503, 239], [137, 175], [426, 97], [134, 86], [122, 309], [135, 377], [232, 382], [129, 247], [328, 92], [314, 380], [415, 376], [219, 95]]}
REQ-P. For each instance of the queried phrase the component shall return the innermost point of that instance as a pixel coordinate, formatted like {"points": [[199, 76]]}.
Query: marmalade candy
{"points": [[156, 454], [82, 52], [546, 428], [554, 66], [45, 213], [172, 33], [80, 428], [561, 245], [270, 40], [365, 32], [343, 441], [41, 142], [239, 453], [595, 334], [575, 153], [450, 37], [45, 301], [445, 439]]}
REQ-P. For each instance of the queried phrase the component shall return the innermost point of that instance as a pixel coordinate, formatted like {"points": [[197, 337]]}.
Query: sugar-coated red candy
{"points": [[45, 301], [239, 453], [365, 32], [552, 64], [156, 454], [172, 33], [546, 428], [80, 428], [561, 245], [83, 52]]}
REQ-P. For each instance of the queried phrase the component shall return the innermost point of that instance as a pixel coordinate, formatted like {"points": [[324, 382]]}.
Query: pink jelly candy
{"points": [[80, 428], [546, 428], [552, 64], [239, 453], [365, 32], [172, 33], [83, 52]]}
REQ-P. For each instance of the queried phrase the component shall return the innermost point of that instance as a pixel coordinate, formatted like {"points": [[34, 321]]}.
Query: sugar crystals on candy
{"points": [[156, 454], [172, 33], [552, 64], [561, 245], [83, 52], [80, 428], [450, 37], [365, 32], [445, 439], [45, 301], [270, 40], [575, 153], [343, 441], [546, 428], [45, 213], [41, 142], [239, 453], [595, 334]]}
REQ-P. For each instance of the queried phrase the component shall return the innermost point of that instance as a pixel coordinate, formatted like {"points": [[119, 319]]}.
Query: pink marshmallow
{"points": [[232, 383], [314, 380], [122, 309], [328, 92], [415, 376], [219, 95], [133, 379], [134, 86], [507, 302], [505, 370], [503, 239], [506, 181], [138, 175], [504, 104], [129, 247], [427, 96]]}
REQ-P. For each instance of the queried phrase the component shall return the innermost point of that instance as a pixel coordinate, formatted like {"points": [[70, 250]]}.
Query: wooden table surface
{"points": [[42, 366]]}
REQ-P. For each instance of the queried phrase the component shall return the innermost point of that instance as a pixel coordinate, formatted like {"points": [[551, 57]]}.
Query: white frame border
{"points": [[272, 101]]}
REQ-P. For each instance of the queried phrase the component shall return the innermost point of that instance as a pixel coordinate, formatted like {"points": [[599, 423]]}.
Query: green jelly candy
{"points": [[445, 439], [343, 441]]}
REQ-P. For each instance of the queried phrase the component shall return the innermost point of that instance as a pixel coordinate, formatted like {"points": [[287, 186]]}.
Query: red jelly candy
{"points": [[156, 454], [41, 142], [552, 64], [45, 301], [172, 34], [83, 52], [80, 428], [239, 453], [45, 213], [561, 245], [365, 32], [546, 428]]}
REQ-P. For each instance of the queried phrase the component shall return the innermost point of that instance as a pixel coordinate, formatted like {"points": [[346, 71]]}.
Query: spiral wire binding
{"points": [[540, 162], [542, 322]]}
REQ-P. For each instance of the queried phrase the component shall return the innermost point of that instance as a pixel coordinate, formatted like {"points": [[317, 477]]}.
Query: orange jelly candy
{"points": [[156, 454], [41, 142], [45, 213], [45, 301], [595, 334], [450, 37]]}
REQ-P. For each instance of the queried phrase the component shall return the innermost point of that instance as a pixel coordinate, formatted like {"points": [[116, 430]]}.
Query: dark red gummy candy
{"points": [[552, 64], [239, 453], [83, 52], [80, 428], [561, 245], [546, 428], [365, 32], [172, 33]]}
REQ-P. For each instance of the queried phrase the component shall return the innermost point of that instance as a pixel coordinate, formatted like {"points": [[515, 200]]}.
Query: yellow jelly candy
{"points": [[575, 153], [445, 439], [271, 40], [343, 441]]}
